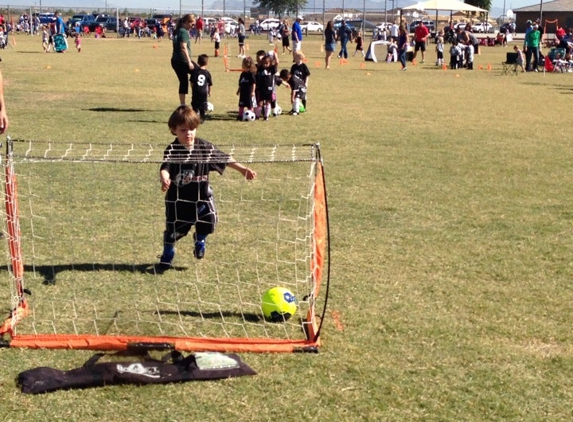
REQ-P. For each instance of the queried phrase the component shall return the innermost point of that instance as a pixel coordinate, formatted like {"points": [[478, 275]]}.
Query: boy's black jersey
{"points": [[201, 81], [189, 169]]}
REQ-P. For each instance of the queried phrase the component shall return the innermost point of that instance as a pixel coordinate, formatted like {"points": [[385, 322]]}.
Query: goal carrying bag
{"points": [[174, 367]]}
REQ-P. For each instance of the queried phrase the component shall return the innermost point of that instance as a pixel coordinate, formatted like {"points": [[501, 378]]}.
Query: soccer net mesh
{"points": [[84, 225]]}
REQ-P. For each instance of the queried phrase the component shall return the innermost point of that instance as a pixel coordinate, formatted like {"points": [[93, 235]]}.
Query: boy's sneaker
{"points": [[199, 250], [165, 263]]}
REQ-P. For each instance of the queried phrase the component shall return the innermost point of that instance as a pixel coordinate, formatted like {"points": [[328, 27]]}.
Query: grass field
{"points": [[449, 195]]}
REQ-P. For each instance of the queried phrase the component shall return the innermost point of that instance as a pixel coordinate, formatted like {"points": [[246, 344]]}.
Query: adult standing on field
{"points": [[329, 43], [60, 28], [181, 57], [241, 35], [199, 25], [421, 34], [532, 40], [284, 31], [297, 35], [403, 44], [344, 34]]}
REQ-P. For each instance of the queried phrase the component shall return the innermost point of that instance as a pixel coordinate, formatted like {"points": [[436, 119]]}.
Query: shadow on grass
{"points": [[117, 110], [50, 272], [213, 315], [231, 115]]}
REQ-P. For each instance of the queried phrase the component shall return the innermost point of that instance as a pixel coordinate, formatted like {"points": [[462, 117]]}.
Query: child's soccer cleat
{"points": [[199, 250], [165, 262]]}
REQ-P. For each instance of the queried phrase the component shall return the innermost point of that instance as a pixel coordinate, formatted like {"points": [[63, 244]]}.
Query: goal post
{"points": [[83, 225]]}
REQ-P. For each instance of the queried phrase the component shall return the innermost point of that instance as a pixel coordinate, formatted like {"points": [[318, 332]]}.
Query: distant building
{"points": [[560, 10]]}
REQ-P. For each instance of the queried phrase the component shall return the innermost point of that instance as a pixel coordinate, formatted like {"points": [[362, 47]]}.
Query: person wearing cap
{"points": [[532, 40], [296, 35]]}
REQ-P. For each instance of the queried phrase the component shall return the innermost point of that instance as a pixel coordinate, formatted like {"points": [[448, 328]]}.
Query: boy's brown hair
{"points": [[183, 115]]}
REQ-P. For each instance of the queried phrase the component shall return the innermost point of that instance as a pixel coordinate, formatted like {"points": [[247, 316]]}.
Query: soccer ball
{"points": [[278, 304], [210, 107], [278, 111], [301, 109], [249, 116]]}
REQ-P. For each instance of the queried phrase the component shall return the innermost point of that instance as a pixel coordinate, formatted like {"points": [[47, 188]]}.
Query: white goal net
{"points": [[84, 225]]}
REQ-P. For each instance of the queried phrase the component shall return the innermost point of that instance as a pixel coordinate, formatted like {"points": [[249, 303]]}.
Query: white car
{"points": [[231, 25], [482, 27], [312, 26], [269, 24]]}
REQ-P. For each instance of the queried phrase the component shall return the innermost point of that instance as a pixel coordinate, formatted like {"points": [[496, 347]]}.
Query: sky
{"points": [[190, 4]]}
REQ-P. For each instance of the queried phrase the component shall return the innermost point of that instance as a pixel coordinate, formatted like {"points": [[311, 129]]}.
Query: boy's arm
{"points": [[245, 171], [164, 179]]}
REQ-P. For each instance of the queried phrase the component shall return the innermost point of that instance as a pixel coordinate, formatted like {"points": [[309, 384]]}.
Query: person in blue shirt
{"points": [[344, 34], [60, 40], [296, 35]]}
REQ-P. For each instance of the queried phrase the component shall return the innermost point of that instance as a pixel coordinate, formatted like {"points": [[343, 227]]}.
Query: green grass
{"points": [[451, 235]]}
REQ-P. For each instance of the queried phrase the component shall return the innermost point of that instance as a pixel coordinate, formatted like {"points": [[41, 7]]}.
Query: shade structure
{"points": [[452, 5]]}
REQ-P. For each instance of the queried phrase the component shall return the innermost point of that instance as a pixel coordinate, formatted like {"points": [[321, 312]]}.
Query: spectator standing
{"points": [[199, 26], [532, 40], [241, 35], [181, 57], [285, 36], [60, 27], [329, 43], [297, 35], [344, 34], [421, 34], [394, 31], [403, 45]]}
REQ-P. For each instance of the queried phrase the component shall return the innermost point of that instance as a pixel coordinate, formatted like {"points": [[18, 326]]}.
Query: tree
{"points": [[279, 7], [484, 4]]}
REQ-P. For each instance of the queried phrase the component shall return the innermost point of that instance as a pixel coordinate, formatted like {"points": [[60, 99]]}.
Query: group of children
{"points": [[258, 83]]}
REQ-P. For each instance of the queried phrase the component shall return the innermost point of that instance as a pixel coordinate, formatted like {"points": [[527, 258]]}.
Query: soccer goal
{"points": [[83, 225]]}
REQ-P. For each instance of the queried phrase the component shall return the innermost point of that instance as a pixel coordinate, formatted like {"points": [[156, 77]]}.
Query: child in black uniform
{"points": [[201, 84], [247, 85], [184, 176]]}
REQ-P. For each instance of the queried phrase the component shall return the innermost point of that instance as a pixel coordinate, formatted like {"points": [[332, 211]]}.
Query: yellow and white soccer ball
{"points": [[278, 304]]}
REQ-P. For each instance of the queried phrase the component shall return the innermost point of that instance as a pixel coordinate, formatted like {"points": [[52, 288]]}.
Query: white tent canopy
{"points": [[451, 5]]}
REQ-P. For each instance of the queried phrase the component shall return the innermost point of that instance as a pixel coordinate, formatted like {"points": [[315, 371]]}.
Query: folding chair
{"points": [[510, 64]]}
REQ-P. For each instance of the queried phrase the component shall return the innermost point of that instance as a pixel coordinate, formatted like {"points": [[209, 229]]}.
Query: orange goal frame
{"points": [[319, 268]]}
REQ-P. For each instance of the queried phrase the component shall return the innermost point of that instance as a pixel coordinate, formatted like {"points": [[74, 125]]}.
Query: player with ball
{"points": [[184, 177]]}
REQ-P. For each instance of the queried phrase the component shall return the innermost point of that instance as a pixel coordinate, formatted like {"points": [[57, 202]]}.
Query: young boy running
{"points": [[184, 176]]}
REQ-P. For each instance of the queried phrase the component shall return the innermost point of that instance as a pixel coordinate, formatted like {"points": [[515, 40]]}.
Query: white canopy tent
{"points": [[451, 5]]}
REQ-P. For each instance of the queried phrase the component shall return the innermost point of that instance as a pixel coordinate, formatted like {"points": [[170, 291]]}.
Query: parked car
{"points": [[111, 24], [427, 23], [384, 26], [269, 24], [99, 21], [482, 27], [46, 18], [82, 18], [461, 25], [312, 26], [231, 24]]}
